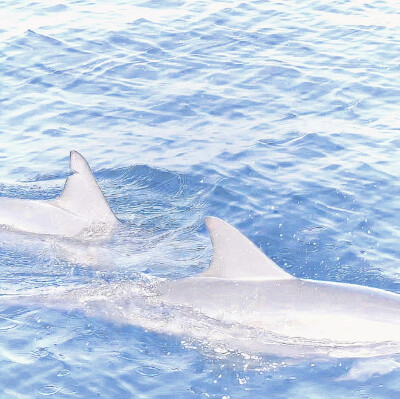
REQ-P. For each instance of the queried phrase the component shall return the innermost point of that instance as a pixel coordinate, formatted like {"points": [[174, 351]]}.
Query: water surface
{"points": [[279, 117]]}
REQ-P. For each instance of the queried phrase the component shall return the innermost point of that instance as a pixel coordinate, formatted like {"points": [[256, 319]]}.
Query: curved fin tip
{"points": [[235, 256], [77, 162]]}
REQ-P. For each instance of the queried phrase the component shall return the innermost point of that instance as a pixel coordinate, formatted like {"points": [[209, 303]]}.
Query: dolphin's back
{"points": [[80, 207], [306, 309], [39, 217], [244, 286]]}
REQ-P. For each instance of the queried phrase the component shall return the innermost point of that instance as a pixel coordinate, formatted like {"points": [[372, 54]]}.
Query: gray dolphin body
{"points": [[302, 317], [80, 207], [244, 302]]}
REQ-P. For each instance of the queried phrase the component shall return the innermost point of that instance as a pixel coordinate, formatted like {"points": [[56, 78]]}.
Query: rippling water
{"points": [[279, 117]]}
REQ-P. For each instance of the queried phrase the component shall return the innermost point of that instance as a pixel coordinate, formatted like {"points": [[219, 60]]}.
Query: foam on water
{"points": [[279, 117]]}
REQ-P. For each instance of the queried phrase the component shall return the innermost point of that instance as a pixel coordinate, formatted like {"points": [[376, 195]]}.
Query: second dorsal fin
{"points": [[82, 195], [236, 257]]}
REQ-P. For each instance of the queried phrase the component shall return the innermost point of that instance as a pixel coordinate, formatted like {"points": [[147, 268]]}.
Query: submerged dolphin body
{"points": [[81, 208], [244, 302]]}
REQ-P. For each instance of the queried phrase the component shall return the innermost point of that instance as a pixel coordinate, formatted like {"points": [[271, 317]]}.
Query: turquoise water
{"points": [[279, 117]]}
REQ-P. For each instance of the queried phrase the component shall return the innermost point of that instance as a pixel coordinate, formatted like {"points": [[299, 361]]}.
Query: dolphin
{"points": [[80, 211], [246, 303], [303, 317]]}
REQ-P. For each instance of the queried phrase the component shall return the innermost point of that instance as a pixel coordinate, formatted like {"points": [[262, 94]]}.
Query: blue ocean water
{"points": [[279, 117]]}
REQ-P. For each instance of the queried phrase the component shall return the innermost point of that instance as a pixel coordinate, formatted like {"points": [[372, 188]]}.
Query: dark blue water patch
{"points": [[28, 191], [39, 81]]}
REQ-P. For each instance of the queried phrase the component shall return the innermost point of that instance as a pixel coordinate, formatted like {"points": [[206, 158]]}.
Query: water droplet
{"points": [[48, 390], [148, 371], [62, 373]]}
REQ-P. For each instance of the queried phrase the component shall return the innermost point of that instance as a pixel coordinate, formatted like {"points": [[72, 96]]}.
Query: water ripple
{"points": [[280, 118]]}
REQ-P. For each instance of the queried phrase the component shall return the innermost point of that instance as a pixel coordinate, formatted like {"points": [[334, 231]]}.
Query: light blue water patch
{"points": [[279, 117]]}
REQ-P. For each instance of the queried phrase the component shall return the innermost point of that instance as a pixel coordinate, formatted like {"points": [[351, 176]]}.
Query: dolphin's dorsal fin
{"points": [[236, 257], [82, 195]]}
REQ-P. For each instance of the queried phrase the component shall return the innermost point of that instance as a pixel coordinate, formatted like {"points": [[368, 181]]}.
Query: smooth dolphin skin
{"points": [[304, 317], [81, 209], [244, 303]]}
